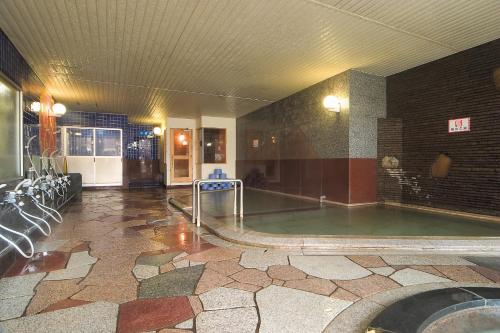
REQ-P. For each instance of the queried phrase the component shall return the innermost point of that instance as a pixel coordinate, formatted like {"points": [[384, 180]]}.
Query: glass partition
{"points": [[79, 142], [108, 142], [10, 132]]}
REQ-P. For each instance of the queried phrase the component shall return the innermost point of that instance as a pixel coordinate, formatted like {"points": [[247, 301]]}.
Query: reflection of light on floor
{"points": [[182, 237]]}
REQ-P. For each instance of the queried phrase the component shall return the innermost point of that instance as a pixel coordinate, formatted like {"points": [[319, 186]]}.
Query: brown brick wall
{"points": [[389, 143], [424, 98]]}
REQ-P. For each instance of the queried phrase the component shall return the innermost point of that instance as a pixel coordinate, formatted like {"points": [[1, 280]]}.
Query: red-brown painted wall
{"points": [[338, 179], [362, 180]]}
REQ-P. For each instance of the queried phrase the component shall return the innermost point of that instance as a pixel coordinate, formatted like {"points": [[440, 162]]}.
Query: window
{"points": [[10, 132], [213, 141]]}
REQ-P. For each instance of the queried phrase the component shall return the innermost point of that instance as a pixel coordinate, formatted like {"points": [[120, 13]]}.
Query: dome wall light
{"points": [[35, 107], [332, 103], [157, 130], [58, 109]]}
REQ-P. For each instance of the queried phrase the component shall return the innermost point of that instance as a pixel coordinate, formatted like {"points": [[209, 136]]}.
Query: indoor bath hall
{"points": [[232, 166]]}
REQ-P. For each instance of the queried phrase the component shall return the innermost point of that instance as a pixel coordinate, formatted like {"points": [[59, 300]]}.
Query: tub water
{"points": [[278, 214]]}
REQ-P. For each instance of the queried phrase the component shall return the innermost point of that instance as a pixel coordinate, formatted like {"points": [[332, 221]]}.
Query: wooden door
{"points": [[181, 155]]}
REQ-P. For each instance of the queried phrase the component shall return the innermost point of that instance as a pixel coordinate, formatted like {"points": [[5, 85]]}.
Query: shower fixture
{"points": [[35, 190], [32, 192], [11, 199], [14, 245], [20, 234], [28, 152]]}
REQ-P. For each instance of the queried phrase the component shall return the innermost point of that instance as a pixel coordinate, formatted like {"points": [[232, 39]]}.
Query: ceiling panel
{"points": [[153, 58]]}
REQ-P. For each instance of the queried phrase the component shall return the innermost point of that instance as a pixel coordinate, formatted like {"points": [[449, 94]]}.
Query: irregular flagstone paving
{"points": [[285, 273], [409, 276], [215, 254], [211, 279], [252, 276], [426, 260], [80, 259], [51, 292], [145, 272], [69, 273], [313, 285], [345, 295], [188, 324], [368, 261], [226, 267], [179, 282], [17, 286], [283, 310], [157, 260], [108, 264], [94, 317], [329, 267], [64, 304], [152, 314], [13, 307], [241, 320], [226, 298], [262, 260], [385, 271], [369, 285], [462, 274]]}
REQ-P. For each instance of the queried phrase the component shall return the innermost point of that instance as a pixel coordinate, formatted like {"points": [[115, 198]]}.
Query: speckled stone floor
{"points": [[127, 262]]}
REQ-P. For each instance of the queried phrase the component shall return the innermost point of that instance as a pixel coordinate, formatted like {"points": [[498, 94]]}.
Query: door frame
{"points": [[188, 179], [94, 157]]}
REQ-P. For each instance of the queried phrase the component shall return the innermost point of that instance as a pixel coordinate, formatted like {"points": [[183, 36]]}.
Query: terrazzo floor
{"points": [[124, 261]]}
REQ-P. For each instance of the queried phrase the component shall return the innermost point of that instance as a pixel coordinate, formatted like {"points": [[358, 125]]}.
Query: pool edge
{"points": [[325, 244]]}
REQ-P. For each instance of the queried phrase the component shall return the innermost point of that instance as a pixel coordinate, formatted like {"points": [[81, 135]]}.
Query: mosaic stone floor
{"points": [[123, 261]]}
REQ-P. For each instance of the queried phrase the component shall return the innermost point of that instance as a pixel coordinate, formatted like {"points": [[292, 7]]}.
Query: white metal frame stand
{"points": [[196, 204]]}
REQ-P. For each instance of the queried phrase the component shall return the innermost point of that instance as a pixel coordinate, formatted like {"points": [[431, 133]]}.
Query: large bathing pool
{"points": [[278, 214]]}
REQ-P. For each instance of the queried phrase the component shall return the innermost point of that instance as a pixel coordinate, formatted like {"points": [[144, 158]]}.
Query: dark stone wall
{"points": [[298, 126], [424, 98], [299, 147]]}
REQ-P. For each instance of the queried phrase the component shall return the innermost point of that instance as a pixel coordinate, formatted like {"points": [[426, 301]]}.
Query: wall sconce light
{"points": [[332, 103], [35, 107], [58, 109], [157, 131]]}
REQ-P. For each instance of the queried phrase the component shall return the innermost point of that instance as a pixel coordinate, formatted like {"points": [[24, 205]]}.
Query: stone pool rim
{"points": [[412, 303]]}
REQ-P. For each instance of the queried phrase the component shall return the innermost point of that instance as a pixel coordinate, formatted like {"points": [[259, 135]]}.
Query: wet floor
{"points": [[127, 262]]}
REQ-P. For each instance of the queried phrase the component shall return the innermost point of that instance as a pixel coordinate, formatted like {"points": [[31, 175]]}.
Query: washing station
{"points": [[30, 207]]}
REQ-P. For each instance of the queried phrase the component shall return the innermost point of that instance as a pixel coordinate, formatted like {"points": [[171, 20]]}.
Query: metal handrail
{"points": [[196, 206]]}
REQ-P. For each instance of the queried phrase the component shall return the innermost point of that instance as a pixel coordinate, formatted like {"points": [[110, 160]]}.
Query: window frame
{"points": [[20, 123], [203, 145]]}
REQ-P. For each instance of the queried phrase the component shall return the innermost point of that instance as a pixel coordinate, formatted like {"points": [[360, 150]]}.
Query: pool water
{"points": [[278, 214]]}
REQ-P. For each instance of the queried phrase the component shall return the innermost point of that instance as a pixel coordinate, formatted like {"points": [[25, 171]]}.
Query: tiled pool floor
{"points": [[107, 269]]}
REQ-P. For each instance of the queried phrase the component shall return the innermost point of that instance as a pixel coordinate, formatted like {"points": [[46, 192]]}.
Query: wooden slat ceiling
{"points": [[183, 58]]}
